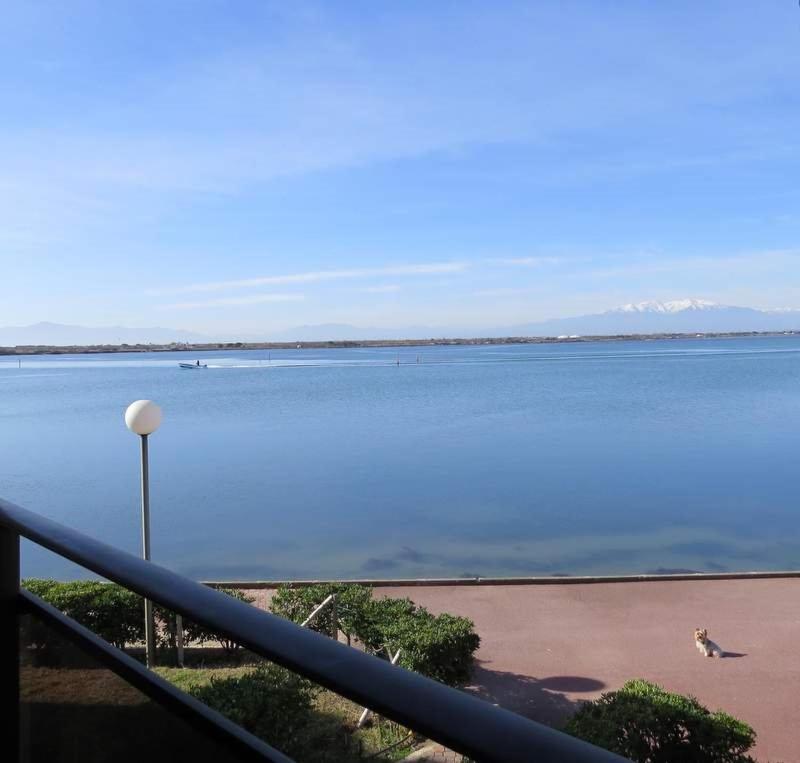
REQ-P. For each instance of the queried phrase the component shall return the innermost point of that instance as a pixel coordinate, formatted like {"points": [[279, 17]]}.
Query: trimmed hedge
{"points": [[438, 646], [117, 615], [645, 723], [111, 611]]}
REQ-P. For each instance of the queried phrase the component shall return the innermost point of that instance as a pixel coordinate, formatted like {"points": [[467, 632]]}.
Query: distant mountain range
{"points": [[46, 333], [685, 316], [341, 332]]}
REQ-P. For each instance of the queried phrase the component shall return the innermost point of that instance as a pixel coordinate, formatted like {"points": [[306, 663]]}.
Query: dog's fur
{"points": [[705, 645]]}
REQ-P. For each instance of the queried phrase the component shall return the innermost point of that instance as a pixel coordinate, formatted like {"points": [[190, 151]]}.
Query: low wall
{"points": [[489, 581]]}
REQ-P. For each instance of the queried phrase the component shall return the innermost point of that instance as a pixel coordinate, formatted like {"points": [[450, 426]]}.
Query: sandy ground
{"points": [[544, 648]]}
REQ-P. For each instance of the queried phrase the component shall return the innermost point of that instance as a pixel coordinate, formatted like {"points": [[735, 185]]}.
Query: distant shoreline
{"points": [[343, 344]]}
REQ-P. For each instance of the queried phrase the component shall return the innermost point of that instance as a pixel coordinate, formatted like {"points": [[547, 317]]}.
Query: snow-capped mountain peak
{"points": [[680, 316], [673, 306]]}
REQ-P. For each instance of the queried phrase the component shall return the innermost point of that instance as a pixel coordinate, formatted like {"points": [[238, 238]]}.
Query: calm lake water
{"points": [[611, 457]]}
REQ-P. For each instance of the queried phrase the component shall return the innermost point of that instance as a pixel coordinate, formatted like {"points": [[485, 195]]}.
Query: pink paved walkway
{"points": [[544, 648]]}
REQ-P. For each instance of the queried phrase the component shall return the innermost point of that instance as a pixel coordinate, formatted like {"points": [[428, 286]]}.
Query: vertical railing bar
{"points": [[9, 642], [179, 638], [335, 619]]}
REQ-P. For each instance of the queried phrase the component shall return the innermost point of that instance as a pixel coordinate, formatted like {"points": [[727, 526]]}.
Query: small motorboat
{"points": [[193, 365]]}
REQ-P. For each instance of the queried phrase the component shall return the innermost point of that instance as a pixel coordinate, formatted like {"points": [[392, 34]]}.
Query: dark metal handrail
{"points": [[463, 722]]}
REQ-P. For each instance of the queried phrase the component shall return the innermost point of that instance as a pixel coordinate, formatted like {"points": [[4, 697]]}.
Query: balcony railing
{"points": [[456, 719]]}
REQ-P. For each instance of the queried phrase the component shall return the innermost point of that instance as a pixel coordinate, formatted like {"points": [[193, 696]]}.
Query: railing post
{"points": [[9, 640], [335, 619], [179, 638]]}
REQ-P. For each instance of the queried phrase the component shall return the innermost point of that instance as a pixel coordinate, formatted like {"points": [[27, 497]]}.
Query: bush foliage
{"points": [[270, 702], [297, 604], [438, 646], [112, 612], [117, 614], [194, 632], [643, 722], [310, 724]]}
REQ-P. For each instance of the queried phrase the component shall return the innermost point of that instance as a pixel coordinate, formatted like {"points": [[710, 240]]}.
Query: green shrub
{"points": [[270, 702], [109, 610], [297, 604], [438, 646], [643, 722], [117, 614], [41, 587]]}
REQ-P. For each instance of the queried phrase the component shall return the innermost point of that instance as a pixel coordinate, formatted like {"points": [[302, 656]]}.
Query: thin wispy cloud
{"points": [[504, 292], [315, 276], [748, 262], [527, 262], [254, 299], [387, 288]]}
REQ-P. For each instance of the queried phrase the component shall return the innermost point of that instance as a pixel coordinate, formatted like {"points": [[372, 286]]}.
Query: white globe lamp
{"points": [[143, 417]]}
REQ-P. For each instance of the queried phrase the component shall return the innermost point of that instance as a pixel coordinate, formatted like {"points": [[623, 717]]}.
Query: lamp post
{"points": [[143, 418]]}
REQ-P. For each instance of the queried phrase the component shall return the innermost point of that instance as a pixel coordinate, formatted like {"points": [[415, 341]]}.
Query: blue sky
{"points": [[245, 166]]}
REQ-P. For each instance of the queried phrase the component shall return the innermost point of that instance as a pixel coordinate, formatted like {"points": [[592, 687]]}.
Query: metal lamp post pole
{"points": [[143, 417], [149, 620]]}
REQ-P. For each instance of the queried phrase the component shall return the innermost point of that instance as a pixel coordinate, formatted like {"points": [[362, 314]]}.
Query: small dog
{"points": [[706, 645]]}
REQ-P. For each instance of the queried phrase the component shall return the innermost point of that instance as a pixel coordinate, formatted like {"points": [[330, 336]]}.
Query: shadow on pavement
{"points": [[540, 699], [571, 683]]}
